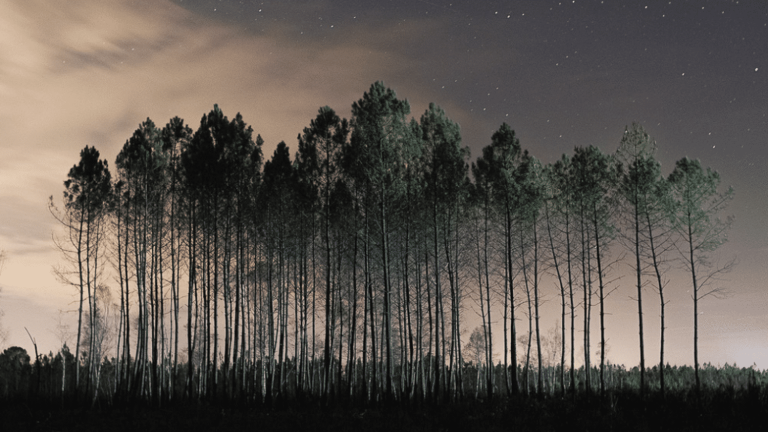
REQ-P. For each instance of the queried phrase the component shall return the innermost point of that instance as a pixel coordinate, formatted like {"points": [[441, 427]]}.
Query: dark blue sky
{"points": [[690, 71]]}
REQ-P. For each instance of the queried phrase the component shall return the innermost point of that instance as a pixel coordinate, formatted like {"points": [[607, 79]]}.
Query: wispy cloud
{"points": [[78, 73]]}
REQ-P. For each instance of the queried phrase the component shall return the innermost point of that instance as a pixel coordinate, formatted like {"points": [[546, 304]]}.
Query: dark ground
{"points": [[718, 411]]}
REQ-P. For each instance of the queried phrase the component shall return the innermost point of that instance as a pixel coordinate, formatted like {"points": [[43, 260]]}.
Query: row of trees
{"points": [[348, 270], [21, 379]]}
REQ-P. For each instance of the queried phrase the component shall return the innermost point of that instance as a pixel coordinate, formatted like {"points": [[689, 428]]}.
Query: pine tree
{"points": [[317, 160], [595, 176], [445, 176], [87, 199], [697, 207], [503, 156], [380, 145]]}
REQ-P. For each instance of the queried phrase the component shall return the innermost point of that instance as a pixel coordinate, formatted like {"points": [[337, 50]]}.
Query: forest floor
{"points": [[718, 411]]}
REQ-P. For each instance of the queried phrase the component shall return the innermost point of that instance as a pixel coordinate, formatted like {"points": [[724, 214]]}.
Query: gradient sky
{"points": [[561, 73]]}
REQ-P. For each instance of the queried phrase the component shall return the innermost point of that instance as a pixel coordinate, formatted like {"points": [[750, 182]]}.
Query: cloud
{"points": [[79, 73]]}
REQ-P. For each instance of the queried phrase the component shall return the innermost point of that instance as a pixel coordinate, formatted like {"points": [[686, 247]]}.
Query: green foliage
{"points": [[697, 206], [443, 159], [88, 186], [382, 141], [502, 158], [594, 175], [142, 161]]}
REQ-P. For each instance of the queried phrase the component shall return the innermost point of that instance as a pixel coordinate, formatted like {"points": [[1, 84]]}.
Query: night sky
{"points": [[561, 73]]}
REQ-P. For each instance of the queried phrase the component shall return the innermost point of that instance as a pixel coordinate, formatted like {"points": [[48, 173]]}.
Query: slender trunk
{"points": [[387, 296], [586, 274], [526, 368], [79, 248], [369, 285], [504, 320], [660, 287], [214, 367], [438, 306], [572, 304], [460, 369], [328, 323], [602, 303], [536, 302], [430, 367], [489, 366], [510, 276], [562, 299], [366, 302], [191, 250], [419, 370], [639, 293], [486, 341], [351, 376], [407, 372], [695, 305], [454, 362]]}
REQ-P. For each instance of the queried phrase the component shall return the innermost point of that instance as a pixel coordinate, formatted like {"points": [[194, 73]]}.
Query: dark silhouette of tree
{"points": [[319, 151], [409, 226], [15, 371], [87, 197], [635, 149], [595, 176], [239, 160], [219, 168], [532, 184], [445, 176], [503, 156], [647, 194], [380, 145], [142, 165], [306, 165], [175, 135], [561, 218], [276, 199], [483, 196], [698, 204]]}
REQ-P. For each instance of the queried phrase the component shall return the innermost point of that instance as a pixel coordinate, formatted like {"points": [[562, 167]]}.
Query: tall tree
{"points": [[380, 145], [319, 151], [635, 152], [175, 135], [503, 156], [561, 217], [530, 200], [87, 196], [277, 194], [657, 214], [142, 165], [445, 176], [649, 237], [595, 175], [483, 202], [697, 222], [240, 160]]}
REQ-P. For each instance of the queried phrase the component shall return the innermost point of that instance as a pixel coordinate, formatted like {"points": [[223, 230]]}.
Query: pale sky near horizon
{"points": [[561, 73]]}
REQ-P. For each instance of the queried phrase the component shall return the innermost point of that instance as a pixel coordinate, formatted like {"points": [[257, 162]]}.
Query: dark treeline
{"points": [[347, 270]]}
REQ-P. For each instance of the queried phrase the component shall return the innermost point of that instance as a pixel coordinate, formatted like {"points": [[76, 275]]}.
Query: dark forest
{"points": [[335, 281]]}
